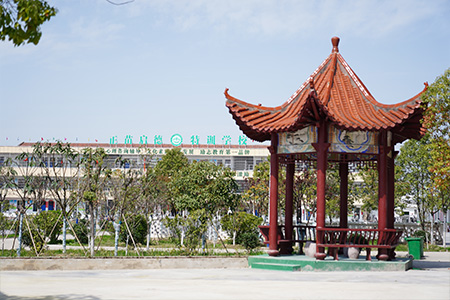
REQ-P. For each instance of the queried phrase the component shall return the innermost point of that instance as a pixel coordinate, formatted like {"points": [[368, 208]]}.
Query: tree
{"points": [[367, 190], [257, 191], [59, 163], [203, 185], [413, 161], [173, 162], [437, 122], [95, 176], [151, 198], [123, 185], [237, 224], [20, 20], [23, 181], [201, 191], [305, 193]]}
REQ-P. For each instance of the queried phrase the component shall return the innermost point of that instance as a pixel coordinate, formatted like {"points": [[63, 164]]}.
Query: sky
{"points": [[160, 67]]}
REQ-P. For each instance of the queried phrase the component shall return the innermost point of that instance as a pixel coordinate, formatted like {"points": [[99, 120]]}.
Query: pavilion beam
{"points": [[273, 197], [322, 155], [286, 247]]}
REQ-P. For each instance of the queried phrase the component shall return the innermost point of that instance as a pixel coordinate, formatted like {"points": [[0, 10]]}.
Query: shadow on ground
{"points": [[57, 297]]}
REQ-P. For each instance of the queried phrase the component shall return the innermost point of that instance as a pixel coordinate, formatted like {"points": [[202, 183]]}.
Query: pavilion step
{"points": [[273, 266]]}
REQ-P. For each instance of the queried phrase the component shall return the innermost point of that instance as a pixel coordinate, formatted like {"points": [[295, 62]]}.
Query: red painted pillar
{"points": [[382, 190], [322, 156], [390, 189], [273, 197], [343, 204], [287, 247]]}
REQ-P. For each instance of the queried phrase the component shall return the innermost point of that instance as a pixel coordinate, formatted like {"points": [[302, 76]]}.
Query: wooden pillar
{"points": [[382, 190], [286, 248], [390, 189], [322, 156], [273, 197], [343, 204]]}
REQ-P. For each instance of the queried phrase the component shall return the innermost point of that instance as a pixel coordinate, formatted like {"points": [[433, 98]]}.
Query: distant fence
{"points": [[158, 230]]}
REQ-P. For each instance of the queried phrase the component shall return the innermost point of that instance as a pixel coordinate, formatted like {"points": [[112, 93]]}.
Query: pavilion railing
{"points": [[385, 240], [334, 238], [301, 233], [374, 238]]}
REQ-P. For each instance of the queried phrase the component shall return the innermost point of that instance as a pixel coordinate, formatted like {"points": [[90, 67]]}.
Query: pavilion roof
{"points": [[333, 92]]}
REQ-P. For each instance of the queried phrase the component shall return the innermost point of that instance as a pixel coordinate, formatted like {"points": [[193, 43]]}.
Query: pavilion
{"points": [[332, 118]]}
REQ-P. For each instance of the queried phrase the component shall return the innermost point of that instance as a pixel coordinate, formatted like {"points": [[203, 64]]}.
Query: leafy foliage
{"points": [[82, 231], [243, 224], [171, 163], [257, 192], [138, 228], [194, 226], [203, 185], [44, 226], [20, 20], [367, 191], [413, 160], [250, 240], [437, 122]]}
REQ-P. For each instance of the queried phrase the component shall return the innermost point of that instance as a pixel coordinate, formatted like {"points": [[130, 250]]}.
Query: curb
{"points": [[122, 263]]}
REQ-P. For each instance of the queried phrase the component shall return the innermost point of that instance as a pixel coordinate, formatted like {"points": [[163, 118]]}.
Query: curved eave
{"points": [[348, 103], [332, 92], [258, 122]]}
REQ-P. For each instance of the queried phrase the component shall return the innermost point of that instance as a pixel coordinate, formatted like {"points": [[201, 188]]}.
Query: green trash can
{"points": [[415, 247]]}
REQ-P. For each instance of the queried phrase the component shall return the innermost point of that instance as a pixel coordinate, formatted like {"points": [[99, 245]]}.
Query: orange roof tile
{"points": [[333, 92]]}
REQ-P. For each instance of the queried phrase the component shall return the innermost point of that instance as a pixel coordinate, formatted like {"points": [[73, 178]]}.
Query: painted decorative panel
{"points": [[345, 141], [299, 141]]}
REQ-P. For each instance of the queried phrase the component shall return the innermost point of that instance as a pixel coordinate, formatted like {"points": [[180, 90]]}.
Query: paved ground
{"points": [[432, 282]]}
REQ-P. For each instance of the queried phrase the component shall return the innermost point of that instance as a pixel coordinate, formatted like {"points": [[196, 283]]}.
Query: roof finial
{"points": [[335, 41]]}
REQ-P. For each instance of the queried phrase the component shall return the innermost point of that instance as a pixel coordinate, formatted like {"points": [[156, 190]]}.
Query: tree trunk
{"points": [[432, 228], [92, 231], [64, 233], [116, 236], [444, 230], [19, 247], [149, 232]]}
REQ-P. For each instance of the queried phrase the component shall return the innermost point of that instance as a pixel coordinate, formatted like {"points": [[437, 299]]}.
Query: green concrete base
{"points": [[305, 263]]}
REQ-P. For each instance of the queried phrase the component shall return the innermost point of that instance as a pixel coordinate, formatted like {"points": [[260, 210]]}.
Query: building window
{"points": [[243, 163]]}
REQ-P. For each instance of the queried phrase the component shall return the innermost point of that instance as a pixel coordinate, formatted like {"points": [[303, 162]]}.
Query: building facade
{"points": [[242, 159]]}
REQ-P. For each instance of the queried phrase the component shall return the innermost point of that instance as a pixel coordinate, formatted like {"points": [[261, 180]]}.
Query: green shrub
{"points": [[241, 223], [82, 231], [138, 228], [36, 243], [194, 225], [45, 225], [250, 240], [423, 234], [49, 224], [5, 224]]}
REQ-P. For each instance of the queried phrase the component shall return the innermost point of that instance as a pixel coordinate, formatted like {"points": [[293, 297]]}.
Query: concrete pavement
{"points": [[433, 282]]}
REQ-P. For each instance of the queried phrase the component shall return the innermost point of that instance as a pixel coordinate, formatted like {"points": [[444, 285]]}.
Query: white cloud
{"points": [[95, 31], [288, 17]]}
